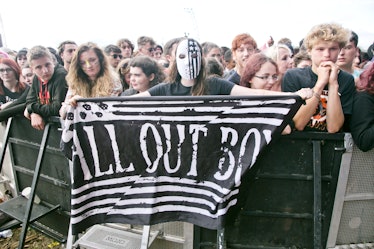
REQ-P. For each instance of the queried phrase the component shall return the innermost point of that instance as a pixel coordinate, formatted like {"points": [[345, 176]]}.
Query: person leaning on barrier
{"points": [[331, 105], [90, 75], [48, 88], [261, 72], [362, 122]]}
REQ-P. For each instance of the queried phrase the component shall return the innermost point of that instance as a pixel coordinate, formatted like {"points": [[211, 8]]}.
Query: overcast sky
{"points": [[26, 23]]}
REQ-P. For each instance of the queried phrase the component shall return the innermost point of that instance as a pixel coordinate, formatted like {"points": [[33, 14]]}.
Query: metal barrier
{"points": [[38, 163], [287, 199], [353, 215]]}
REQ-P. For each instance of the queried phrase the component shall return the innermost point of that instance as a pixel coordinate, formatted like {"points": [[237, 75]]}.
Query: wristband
{"points": [[317, 95]]}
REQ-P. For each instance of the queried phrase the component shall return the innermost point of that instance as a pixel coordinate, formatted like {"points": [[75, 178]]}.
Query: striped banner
{"points": [[149, 160]]}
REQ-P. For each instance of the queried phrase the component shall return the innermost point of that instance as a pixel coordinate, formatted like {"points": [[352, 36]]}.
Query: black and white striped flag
{"points": [[150, 160]]}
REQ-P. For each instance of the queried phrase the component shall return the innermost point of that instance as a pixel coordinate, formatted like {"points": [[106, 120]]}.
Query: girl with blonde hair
{"points": [[90, 75]]}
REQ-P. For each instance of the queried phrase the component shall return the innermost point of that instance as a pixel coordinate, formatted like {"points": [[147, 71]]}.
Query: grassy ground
{"points": [[34, 240]]}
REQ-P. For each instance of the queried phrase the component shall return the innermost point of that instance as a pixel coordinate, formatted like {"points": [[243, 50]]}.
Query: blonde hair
{"points": [[273, 51], [331, 32], [81, 84]]}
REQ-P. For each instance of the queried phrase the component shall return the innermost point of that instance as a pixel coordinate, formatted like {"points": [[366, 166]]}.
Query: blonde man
{"points": [[331, 106]]}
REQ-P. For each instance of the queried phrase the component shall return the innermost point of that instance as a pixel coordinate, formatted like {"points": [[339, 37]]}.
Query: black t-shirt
{"points": [[9, 96], [233, 76], [216, 86], [297, 78], [362, 123]]}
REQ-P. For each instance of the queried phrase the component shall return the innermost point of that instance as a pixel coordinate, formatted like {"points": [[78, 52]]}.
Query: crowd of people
{"points": [[327, 69]]}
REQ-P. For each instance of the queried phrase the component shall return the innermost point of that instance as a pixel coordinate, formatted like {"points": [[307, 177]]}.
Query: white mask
{"points": [[188, 59]]}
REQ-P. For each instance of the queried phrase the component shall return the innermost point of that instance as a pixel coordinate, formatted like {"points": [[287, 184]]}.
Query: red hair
{"points": [[243, 39], [17, 71], [253, 65]]}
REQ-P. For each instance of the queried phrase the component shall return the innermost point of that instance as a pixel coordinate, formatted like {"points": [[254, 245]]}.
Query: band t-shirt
{"points": [[297, 78], [9, 96]]}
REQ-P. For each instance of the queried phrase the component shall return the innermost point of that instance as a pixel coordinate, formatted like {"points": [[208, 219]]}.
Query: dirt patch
{"points": [[34, 240]]}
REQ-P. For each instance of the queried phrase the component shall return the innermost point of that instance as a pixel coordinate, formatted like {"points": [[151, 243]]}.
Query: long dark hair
{"points": [[149, 66]]}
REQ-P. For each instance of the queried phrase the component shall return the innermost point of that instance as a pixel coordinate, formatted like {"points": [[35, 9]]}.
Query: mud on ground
{"points": [[34, 240]]}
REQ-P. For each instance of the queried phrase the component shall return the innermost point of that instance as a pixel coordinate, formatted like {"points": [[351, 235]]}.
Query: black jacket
{"points": [[57, 88]]}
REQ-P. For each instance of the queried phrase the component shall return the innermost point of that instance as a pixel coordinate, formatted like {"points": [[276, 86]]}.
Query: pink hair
{"points": [[3, 54], [366, 81]]}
